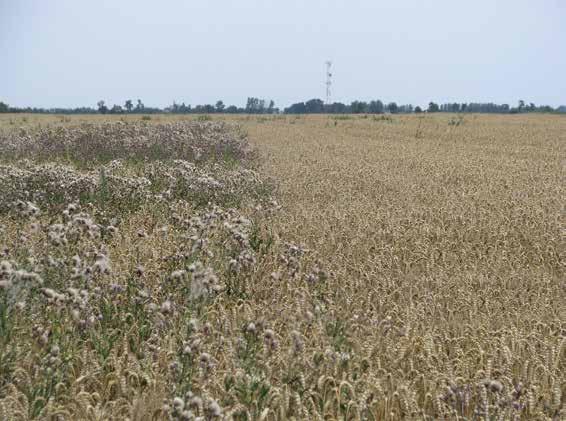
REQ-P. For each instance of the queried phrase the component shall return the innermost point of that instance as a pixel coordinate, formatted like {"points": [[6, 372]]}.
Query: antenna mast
{"points": [[328, 82]]}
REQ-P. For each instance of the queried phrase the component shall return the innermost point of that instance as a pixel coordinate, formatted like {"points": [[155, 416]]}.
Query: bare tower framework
{"points": [[328, 82]]}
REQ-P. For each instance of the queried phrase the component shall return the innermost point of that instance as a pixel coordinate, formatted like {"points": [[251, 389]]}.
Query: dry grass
{"points": [[429, 283]]}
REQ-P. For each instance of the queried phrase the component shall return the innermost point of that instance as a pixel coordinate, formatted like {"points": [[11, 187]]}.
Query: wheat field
{"points": [[283, 267]]}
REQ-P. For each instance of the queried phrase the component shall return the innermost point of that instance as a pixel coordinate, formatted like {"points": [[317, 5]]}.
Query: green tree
{"points": [[298, 108], [252, 105], [102, 108], [4, 107], [261, 108], [129, 105], [376, 107], [314, 106], [220, 107], [433, 107], [358, 107], [393, 107], [337, 108]]}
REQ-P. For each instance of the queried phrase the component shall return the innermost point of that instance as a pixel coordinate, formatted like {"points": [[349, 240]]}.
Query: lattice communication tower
{"points": [[328, 82]]}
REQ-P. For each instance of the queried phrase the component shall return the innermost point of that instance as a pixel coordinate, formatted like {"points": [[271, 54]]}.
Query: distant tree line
{"points": [[313, 106], [253, 106], [316, 106], [5, 108], [497, 108]]}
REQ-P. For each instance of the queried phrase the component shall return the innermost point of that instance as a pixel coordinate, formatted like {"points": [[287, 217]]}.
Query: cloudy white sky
{"points": [[75, 52]]}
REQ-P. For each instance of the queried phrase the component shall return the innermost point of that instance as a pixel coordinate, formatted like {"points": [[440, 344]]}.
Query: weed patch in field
{"points": [[383, 278]]}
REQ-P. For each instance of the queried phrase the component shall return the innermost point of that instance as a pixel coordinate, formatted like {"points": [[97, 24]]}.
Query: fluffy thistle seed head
{"points": [[187, 415], [76, 261], [178, 275], [214, 409], [142, 234], [178, 404], [205, 359], [166, 307], [269, 334], [309, 316], [195, 402], [298, 344], [495, 386]]}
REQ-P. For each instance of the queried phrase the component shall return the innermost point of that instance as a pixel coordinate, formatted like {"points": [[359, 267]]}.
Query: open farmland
{"points": [[319, 267]]}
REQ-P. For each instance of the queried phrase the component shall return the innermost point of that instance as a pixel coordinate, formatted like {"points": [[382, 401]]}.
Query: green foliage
{"points": [[261, 240], [433, 107], [383, 118], [337, 331], [457, 121], [393, 107], [252, 392], [7, 350]]}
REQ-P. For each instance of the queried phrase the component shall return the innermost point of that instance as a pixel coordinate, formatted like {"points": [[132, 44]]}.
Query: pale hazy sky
{"points": [[75, 52]]}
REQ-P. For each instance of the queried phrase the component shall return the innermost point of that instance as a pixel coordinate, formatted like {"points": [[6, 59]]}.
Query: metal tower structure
{"points": [[328, 82]]}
